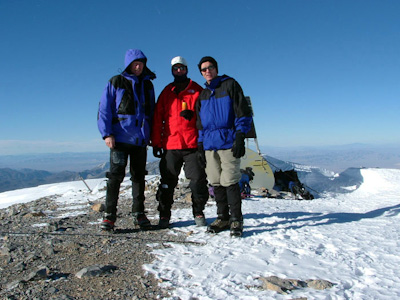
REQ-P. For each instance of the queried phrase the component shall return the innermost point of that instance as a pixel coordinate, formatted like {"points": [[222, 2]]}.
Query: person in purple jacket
{"points": [[124, 121]]}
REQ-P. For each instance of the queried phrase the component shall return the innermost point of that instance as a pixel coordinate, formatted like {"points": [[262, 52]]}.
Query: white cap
{"points": [[178, 60]]}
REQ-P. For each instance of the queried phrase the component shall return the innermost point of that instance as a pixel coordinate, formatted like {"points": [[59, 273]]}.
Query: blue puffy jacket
{"points": [[222, 110], [127, 105]]}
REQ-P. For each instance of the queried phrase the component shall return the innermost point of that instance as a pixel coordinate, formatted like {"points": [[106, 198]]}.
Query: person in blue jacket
{"points": [[223, 119], [124, 121]]}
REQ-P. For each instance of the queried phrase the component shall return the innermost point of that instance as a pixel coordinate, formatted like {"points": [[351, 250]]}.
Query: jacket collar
{"points": [[216, 82]]}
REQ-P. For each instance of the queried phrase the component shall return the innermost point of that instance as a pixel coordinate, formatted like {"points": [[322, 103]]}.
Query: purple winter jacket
{"points": [[127, 105]]}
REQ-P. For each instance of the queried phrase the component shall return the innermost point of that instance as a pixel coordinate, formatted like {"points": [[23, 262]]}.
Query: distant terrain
{"points": [[11, 179], [21, 171], [340, 158], [55, 162]]}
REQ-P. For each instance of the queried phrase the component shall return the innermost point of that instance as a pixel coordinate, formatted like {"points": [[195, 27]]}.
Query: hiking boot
{"points": [[163, 223], [200, 220], [236, 228], [140, 219], [107, 225], [108, 221], [218, 225]]}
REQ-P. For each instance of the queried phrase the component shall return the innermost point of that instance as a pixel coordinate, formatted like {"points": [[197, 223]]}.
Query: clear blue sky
{"points": [[318, 72]]}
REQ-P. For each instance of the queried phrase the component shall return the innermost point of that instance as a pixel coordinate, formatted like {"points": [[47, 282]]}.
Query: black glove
{"points": [[187, 114], [238, 145], [201, 155], [158, 152]]}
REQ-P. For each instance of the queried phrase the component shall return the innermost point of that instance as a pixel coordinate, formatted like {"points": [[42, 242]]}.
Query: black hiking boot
{"points": [[140, 219], [218, 225], [236, 228], [163, 223]]}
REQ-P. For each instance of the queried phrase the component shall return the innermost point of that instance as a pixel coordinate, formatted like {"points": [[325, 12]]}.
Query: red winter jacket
{"points": [[170, 130]]}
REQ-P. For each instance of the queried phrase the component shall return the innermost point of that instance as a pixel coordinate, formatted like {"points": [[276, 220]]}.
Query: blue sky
{"points": [[318, 72]]}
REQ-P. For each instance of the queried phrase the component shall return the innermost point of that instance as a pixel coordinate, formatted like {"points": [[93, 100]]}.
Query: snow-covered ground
{"points": [[350, 239]]}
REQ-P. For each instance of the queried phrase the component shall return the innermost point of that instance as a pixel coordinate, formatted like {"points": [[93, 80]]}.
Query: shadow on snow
{"points": [[315, 219]]}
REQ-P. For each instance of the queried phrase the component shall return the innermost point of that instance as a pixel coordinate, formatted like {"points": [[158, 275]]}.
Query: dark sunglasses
{"points": [[175, 68], [209, 68]]}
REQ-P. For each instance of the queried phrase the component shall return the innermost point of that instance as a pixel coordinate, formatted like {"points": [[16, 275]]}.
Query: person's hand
{"points": [[110, 141], [158, 152], [238, 148], [187, 114], [201, 155]]}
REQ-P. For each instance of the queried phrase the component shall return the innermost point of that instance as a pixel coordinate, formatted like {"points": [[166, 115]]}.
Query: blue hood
{"points": [[135, 54]]}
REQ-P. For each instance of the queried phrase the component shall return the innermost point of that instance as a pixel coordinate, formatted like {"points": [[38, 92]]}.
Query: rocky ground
{"points": [[46, 255]]}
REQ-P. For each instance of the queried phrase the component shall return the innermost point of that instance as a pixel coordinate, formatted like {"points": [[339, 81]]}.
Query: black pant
{"points": [[229, 202], [170, 167], [118, 162]]}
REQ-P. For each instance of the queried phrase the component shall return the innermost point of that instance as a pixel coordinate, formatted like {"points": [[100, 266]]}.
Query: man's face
{"points": [[179, 69], [208, 71], [136, 68]]}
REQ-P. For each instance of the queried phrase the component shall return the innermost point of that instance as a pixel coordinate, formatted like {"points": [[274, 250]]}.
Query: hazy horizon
{"points": [[333, 158]]}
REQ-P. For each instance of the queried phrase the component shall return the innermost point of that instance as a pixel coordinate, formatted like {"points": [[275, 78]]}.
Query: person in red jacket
{"points": [[174, 140]]}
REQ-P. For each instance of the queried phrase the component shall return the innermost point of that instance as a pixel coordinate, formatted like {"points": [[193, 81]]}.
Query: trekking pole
{"points": [[85, 183], [258, 148]]}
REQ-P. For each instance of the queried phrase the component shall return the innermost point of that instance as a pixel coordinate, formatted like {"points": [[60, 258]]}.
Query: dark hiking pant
{"points": [[170, 167], [229, 202], [137, 167]]}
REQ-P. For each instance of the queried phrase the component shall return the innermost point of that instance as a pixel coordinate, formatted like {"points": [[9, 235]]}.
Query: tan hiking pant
{"points": [[222, 168]]}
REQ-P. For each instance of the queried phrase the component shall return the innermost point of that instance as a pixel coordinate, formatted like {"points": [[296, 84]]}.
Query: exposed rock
{"points": [[34, 214], [285, 286], [95, 270], [99, 207], [12, 285], [319, 284], [4, 251], [39, 274], [187, 198]]}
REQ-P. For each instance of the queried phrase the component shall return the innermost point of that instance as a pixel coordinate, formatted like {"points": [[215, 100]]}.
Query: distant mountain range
{"points": [[11, 179], [21, 171], [55, 162], [17, 179], [340, 158], [334, 158]]}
